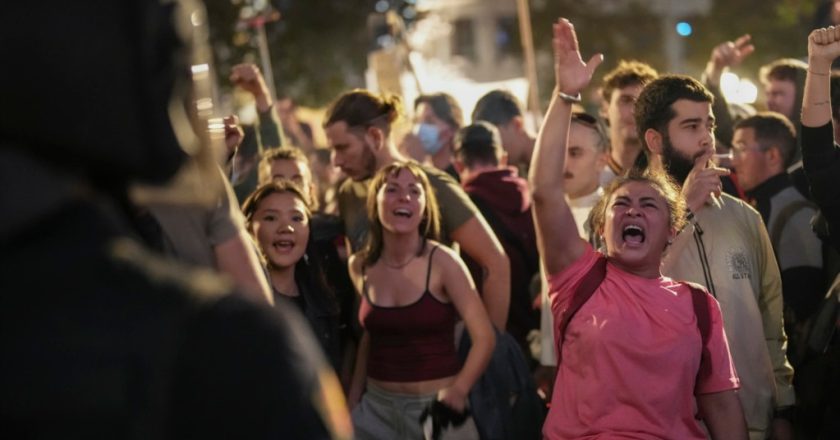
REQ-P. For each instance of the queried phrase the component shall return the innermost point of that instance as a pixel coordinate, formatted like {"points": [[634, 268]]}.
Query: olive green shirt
{"points": [[455, 206]]}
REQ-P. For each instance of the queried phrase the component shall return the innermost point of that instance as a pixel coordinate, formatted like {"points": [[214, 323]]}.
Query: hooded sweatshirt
{"points": [[505, 201]]}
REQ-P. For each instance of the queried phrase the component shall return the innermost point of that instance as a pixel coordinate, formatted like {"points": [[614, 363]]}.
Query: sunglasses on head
{"points": [[592, 122], [585, 118]]}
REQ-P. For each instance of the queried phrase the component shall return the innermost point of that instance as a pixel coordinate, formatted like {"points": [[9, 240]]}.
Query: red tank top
{"points": [[411, 343]]}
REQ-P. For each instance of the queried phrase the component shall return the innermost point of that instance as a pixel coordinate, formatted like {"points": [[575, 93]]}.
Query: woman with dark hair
{"points": [[277, 216], [413, 291], [638, 354]]}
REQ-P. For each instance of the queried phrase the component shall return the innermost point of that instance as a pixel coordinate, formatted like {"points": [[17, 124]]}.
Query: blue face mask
{"points": [[430, 137]]}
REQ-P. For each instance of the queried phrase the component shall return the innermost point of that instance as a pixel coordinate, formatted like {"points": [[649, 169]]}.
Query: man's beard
{"points": [[676, 164], [368, 163]]}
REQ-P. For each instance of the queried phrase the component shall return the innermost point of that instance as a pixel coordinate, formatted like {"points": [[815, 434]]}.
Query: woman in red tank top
{"points": [[413, 290]]}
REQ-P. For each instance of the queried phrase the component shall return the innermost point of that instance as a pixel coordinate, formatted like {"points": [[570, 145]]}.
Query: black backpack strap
{"points": [[590, 282], [704, 324]]}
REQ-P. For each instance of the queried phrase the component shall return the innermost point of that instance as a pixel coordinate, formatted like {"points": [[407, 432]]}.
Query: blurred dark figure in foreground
{"points": [[99, 338]]}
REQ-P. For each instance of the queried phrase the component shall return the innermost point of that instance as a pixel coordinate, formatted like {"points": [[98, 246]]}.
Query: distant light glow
{"points": [[738, 90], [409, 13], [200, 68], [382, 6], [204, 104], [216, 124], [195, 18], [684, 29]]}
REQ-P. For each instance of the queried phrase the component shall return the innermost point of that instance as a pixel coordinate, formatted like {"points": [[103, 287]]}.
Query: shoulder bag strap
{"points": [[704, 324], [584, 291]]}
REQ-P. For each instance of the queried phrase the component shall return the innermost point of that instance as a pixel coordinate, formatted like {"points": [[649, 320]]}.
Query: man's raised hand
{"points": [[731, 53], [728, 54], [571, 74], [248, 77]]}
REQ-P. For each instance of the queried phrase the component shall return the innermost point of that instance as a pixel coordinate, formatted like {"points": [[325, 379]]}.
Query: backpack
{"points": [[504, 401], [593, 278]]}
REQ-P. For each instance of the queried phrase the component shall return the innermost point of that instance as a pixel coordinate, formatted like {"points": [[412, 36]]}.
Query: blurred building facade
{"points": [[481, 37]]}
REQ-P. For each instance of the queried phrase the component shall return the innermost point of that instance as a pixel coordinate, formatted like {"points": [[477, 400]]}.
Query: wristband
{"points": [[569, 98]]}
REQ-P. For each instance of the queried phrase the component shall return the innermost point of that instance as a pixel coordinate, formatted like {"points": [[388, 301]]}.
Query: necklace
{"points": [[398, 265]]}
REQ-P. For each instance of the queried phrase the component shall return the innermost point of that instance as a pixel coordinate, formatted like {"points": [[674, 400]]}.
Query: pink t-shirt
{"points": [[630, 358]]}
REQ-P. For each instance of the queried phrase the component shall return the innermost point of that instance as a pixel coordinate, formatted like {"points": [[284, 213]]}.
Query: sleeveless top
{"points": [[410, 343]]}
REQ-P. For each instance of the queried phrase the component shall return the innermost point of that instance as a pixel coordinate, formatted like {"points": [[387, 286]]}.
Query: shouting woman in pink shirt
{"points": [[640, 356]]}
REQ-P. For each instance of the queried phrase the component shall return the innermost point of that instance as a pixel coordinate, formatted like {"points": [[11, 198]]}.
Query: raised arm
{"points": [[248, 76], [823, 48], [820, 156], [725, 55], [557, 236]]}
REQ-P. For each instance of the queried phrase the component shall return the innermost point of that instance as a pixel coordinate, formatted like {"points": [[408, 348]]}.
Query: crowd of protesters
{"points": [[665, 269]]}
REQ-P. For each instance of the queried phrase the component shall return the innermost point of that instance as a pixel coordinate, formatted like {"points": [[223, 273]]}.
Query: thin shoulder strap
{"points": [[429, 270], [593, 278], [704, 324]]}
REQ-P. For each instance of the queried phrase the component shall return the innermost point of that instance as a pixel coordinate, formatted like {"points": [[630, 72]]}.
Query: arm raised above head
{"points": [[823, 49], [557, 236]]}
